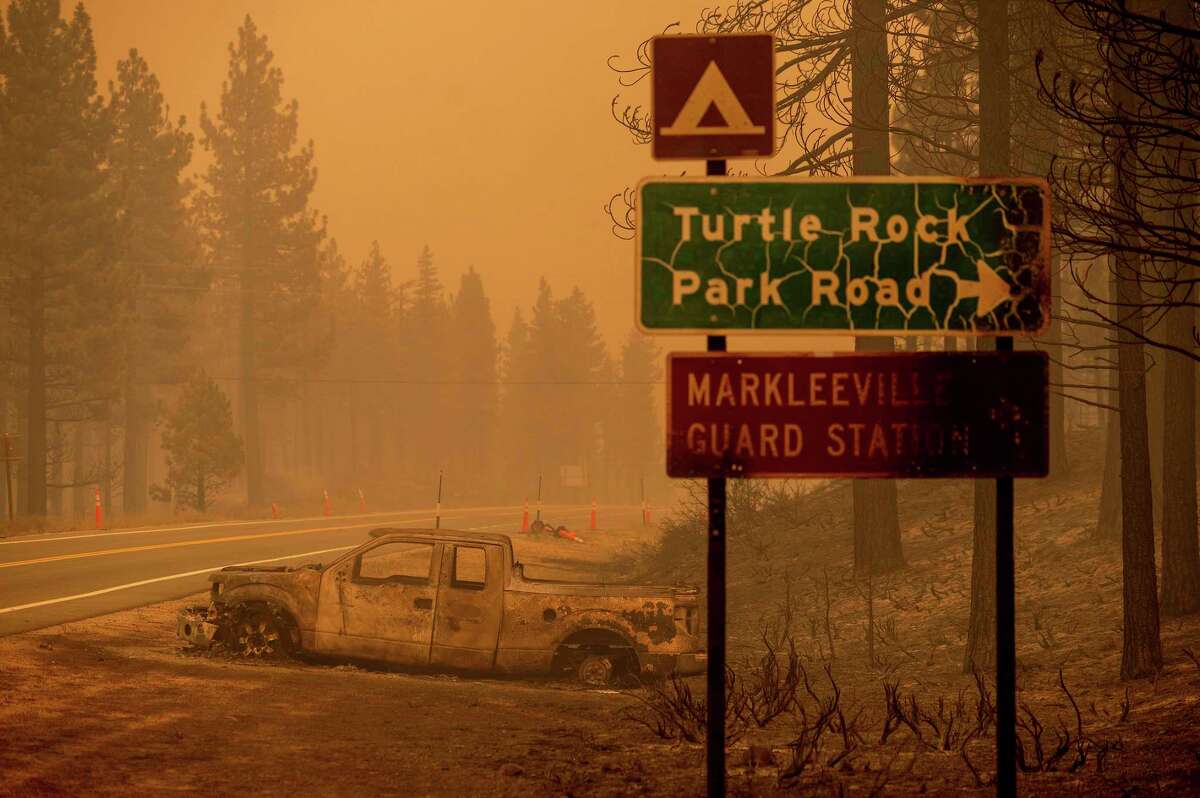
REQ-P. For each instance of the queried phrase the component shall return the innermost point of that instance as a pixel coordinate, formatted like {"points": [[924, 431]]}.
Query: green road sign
{"points": [[859, 256]]}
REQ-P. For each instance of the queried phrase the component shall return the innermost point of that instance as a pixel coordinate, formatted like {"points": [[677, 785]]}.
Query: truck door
{"points": [[469, 607], [380, 603]]}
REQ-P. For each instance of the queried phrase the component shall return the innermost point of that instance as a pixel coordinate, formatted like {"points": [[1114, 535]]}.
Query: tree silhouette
{"points": [[203, 451], [261, 235], [156, 251], [60, 287]]}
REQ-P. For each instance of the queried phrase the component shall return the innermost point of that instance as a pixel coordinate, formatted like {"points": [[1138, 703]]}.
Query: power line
{"points": [[338, 381]]}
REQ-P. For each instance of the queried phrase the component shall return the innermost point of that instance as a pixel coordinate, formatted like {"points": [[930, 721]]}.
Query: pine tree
{"points": [[541, 408], [155, 250], [203, 452], [472, 367], [635, 433], [516, 368], [424, 345], [259, 226], [373, 289], [373, 351], [61, 292], [574, 402], [326, 331]]}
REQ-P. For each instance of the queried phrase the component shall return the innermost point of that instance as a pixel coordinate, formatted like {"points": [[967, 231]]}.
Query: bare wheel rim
{"points": [[258, 637], [595, 670]]}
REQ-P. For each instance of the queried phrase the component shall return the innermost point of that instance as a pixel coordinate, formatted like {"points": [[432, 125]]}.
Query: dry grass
{"points": [[1081, 729]]}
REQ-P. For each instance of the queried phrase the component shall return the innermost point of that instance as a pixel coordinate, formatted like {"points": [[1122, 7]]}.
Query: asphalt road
{"points": [[49, 579]]}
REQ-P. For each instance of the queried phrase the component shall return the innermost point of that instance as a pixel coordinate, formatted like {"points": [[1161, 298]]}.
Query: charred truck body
{"points": [[454, 600]]}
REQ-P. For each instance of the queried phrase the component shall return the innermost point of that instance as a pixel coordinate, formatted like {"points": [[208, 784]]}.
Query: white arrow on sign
{"points": [[990, 290]]}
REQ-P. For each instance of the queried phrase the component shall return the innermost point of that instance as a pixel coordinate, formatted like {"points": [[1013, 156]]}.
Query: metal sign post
{"points": [[1006, 632], [715, 740]]}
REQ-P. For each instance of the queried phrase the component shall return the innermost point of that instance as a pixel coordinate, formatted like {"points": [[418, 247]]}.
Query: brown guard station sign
{"points": [[713, 96], [929, 414]]}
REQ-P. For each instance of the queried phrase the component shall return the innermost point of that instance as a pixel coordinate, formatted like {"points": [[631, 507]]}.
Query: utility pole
{"points": [[539, 500], [643, 483], [438, 514]]}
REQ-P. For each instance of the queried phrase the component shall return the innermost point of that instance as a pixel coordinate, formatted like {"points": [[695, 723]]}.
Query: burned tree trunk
{"points": [[1142, 649], [1142, 652], [1180, 547], [981, 623], [877, 546], [248, 388], [1060, 463], [1177, 484], [1108, 523], [35, 407], [995, 133], [135, 444], [1108, 520], [201, 499], [106, 478], [55, 494], [1155, 429], [79, 493]]}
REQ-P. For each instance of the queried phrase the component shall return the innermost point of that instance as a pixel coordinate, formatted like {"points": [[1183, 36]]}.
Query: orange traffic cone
{"points": [[99, 510], [592, 520], [645, 513], [274, 510], [326, 504], [569, 535], [362, 501], [525, 517]]}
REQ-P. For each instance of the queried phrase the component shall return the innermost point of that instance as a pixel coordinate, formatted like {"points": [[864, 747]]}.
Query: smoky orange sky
{"points": [[482, 129]]}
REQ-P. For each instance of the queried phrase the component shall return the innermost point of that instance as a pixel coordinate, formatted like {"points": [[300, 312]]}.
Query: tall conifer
{"points": [[472, 366], [55, 253], [155, 250], [261, 232], [424, 353]]}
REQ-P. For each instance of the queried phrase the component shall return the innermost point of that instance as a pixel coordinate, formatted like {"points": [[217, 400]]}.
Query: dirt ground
{"points": [[114, 706]]}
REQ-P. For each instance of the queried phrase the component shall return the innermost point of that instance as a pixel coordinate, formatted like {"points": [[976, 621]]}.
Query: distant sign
{"points": [[571, 476], [860, 256], [933, 414], [713, 96]]}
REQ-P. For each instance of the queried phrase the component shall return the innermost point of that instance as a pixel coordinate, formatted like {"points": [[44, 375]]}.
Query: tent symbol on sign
{"points": [[712, 90]]}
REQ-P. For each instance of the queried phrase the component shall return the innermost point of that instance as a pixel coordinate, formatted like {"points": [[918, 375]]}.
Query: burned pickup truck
{"points": [[454, 600]]}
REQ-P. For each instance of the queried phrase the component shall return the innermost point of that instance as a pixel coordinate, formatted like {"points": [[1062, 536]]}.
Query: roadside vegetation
{"points": [[840, 680]]}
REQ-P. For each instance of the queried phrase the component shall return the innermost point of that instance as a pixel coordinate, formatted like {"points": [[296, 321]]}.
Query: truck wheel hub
{"points": [[257, 639], [595, 670]]}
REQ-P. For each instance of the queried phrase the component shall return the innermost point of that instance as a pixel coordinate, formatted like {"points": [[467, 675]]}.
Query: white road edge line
{"points": [[115, 588], [169, 577], [51, 538]]}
